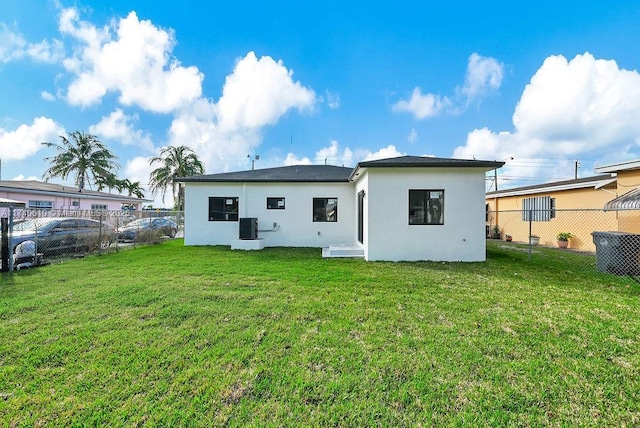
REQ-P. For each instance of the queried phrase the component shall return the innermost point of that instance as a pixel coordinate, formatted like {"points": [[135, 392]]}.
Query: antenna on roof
{"points": [[253, 160]]}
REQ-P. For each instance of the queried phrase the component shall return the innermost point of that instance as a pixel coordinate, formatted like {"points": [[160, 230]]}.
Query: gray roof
{"points": [[334, 174], [42, 187], [425, 162], [596, 180], [431, 162], [294, 173]]}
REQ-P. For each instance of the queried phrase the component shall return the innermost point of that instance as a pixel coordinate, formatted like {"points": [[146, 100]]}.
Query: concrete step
{"points": [[343, 251]]}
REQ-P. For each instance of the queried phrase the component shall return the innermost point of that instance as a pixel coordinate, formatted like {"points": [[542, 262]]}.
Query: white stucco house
{"points": [[404, 208]]}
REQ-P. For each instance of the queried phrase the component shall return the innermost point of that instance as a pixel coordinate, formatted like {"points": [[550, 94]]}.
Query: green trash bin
{"points": [[617, 252]]}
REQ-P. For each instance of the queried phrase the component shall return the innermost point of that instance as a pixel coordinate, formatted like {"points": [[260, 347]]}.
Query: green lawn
{"points": [[173, 336]]}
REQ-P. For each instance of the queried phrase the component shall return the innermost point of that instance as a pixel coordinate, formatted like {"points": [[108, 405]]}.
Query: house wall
{"points": [[506, 212], [62, 202], [390, 237], [628, 221], [628, 180], [297, 228]]}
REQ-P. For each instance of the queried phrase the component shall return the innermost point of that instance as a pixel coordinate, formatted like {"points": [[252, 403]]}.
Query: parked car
{"points": [[63, 234], [141, 229]]}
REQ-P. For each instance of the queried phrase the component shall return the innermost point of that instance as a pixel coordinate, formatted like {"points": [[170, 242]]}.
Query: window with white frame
{"points": [[539, 208], [41, 205]]}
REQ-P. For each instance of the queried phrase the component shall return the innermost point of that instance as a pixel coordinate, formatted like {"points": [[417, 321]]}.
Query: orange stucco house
{"points": [[609, 201]]}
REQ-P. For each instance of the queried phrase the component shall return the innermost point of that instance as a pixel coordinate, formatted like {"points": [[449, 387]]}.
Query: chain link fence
{"points": [[32, 236], [606, 241]]}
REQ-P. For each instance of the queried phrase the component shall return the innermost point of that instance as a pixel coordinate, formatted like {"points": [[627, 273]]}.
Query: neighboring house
{"points": [[405, 208], [627, 176], [43, 195], [509, 209]]}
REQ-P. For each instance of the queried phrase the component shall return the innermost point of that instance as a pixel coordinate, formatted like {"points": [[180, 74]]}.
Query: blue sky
{"points": [[544, 83]]}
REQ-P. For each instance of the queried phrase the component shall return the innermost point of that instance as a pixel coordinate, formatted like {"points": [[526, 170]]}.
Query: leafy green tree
{"points": [[83, 156], [109, 181], [175, 162], [132, 187]]}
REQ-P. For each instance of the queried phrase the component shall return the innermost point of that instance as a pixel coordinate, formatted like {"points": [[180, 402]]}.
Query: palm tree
{"points": [[133, 188], [82, 155], [175, 162], [110, 181]]}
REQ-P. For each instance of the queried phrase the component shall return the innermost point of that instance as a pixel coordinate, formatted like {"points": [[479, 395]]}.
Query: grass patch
{"points": [[172, 335]]}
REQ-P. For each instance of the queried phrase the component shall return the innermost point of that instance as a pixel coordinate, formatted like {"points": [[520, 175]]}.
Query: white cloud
{"points": [[118, 126], [580, 104], [386, 152], [570, 109], [413, 136], [47, 96], [335, 155], [332, 155], [485, 144], [13, 46], [422, 105], [258, 93], [483, 75], [292, 159], [220, 151], [333, 100], [26, 140], [134, 62], [21, 177]]}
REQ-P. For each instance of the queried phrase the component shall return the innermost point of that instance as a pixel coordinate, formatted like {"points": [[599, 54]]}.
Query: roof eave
{"points": [[488, 165], [619, 166], [78, 195], [596, 184], [232, 180]]}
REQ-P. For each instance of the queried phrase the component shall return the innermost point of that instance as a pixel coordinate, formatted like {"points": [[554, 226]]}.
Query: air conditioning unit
{"points": [[249, 228]]}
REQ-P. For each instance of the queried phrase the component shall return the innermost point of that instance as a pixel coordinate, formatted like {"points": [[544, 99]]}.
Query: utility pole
{"points": [[575, 174], [495, 178]]}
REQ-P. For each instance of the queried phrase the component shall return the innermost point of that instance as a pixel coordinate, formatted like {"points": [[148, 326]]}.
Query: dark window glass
{"points": [[426, 207], [67, 224], [275, 203], [325, 210], [223, 209]]}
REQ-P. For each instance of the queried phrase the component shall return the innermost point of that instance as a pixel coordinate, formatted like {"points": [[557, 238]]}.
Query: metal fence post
{"points": [[100, 235], [530, 217]]}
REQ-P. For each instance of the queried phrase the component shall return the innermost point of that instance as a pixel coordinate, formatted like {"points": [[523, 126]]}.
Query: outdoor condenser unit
{"points": [[249, 228]]}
